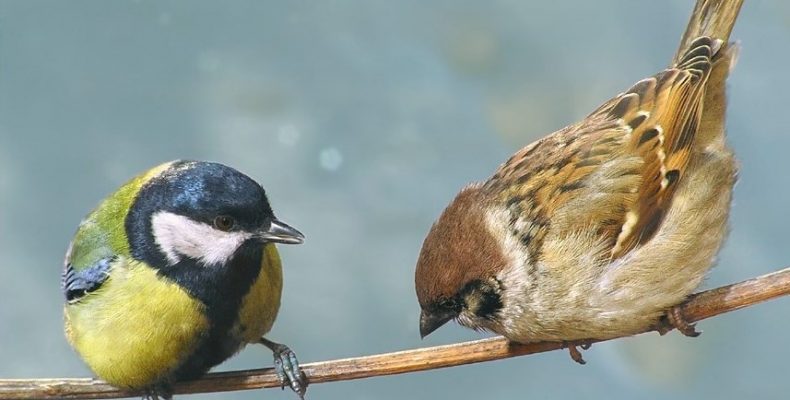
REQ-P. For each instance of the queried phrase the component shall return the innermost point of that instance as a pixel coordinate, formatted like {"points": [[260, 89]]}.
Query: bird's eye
{"points": [[224, 222], [448, 304]]}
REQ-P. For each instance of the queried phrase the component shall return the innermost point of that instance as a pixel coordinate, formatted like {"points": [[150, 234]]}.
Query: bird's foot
{"points": [[674, 319], [287, 367], [573, 349], [159, 392]]}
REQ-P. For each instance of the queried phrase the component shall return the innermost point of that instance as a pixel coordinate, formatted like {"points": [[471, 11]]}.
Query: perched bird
{"points": [[602, 228], [174, 273]]}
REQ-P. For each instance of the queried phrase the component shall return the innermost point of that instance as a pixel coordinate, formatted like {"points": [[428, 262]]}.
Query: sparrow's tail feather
{"points": [[712, 18], [715, 19]]}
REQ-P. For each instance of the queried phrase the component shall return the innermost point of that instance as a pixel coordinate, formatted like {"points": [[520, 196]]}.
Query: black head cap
{"points": [[203, 192]]}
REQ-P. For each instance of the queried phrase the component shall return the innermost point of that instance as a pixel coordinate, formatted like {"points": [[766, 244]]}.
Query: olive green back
{"points": [[102, 234]]}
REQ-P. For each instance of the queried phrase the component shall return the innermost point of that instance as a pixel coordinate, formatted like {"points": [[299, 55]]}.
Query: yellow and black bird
{"points": [[174, 273]]}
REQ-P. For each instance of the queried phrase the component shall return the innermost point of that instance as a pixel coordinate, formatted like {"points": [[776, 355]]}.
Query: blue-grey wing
{"points": [[77, 283]]}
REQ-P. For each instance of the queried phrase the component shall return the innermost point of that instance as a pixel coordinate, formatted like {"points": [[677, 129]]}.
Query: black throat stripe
{"points": [[221, 289]]}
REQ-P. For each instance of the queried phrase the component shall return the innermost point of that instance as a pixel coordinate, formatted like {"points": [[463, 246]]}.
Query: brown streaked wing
{"points": [[654, 121], [663, 117], [542, 177]]}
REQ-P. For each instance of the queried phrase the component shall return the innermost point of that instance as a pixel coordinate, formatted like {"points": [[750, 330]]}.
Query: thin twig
{"points": [[700, 306]]}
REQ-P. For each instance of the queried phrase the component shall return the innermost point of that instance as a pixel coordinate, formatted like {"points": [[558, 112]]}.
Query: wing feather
{"points": [[622, 163], [78, 283]]}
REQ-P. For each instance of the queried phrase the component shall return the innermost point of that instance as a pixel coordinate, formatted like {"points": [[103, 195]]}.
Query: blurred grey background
{"points": [[363, 119]]}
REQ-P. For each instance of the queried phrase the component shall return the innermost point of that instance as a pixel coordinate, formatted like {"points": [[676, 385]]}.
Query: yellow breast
{"points": [[136, 328], [259, 308]]}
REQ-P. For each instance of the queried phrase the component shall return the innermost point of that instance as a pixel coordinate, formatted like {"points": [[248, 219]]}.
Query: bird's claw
{"points": [[674, 320], [162, 391], [286, 366], [573, 346]]}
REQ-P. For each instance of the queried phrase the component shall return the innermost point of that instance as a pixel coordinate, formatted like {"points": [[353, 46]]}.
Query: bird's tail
{"points": [[713, 18]]}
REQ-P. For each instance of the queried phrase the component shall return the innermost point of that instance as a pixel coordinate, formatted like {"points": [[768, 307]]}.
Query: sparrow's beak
{"points": [[280, 232], [430, 322]]}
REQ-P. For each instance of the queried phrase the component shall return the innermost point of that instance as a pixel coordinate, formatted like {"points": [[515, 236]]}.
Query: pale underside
{"points": [[608, 223], [604, 298]]}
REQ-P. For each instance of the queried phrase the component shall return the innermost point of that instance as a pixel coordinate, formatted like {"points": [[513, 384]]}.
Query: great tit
{"points": [[174, 273]]}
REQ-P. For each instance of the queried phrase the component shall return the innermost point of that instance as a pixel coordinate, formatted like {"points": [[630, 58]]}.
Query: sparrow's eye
{"points": [[224, 223], [448, 304]]}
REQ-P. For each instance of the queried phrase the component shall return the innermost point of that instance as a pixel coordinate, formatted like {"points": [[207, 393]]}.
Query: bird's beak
{"points": [[430, 322], [280, 232]]}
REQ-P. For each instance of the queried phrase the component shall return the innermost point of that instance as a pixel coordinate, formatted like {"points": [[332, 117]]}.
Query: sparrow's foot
{"points": [[573, 349], [287, 367], [674, 320]]}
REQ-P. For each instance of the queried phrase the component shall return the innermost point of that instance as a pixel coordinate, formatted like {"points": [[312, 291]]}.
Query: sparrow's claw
{"points": [[287, 367], [674, 320], [576, 355]]}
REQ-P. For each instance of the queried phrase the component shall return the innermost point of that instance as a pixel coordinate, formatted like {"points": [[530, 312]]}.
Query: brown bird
{"points": [[600, 229]]}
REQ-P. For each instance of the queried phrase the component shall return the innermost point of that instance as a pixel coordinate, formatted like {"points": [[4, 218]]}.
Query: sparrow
{"points": [[598, 230]]}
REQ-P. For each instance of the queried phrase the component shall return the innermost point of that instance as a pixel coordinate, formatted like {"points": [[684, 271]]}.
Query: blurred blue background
{"points": [[363, 119]]}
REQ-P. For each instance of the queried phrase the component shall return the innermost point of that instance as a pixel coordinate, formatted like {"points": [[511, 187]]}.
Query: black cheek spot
{"points": [[490, 304], [487, 299]]}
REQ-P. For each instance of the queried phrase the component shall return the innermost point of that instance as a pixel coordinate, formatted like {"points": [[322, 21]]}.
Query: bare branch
{"points": [[700, 306]]}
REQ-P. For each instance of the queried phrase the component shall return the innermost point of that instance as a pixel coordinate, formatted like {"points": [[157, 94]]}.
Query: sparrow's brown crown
{"points": [[448, 244]]}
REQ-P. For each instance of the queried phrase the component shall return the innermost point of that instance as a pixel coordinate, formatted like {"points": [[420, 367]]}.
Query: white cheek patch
{"points": [[178, 236]]}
